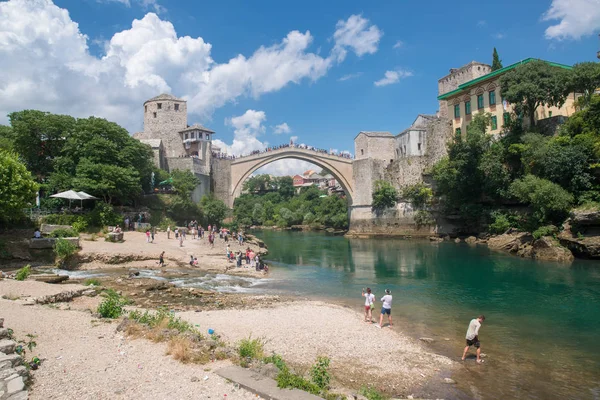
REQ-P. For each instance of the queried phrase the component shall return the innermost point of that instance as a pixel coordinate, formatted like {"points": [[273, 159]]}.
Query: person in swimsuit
{"points": [[369, 300]]}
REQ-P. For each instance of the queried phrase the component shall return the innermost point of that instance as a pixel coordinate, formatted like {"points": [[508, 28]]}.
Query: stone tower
{"points": [[164, 117], [457, 77]]}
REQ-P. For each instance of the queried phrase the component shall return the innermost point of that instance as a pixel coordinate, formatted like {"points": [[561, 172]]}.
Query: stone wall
{"points": [[220, 180], [376, 147], [396, 221], [166, 125], [200, 168]]}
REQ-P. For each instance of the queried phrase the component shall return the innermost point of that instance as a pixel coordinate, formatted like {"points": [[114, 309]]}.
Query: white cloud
{"points": [[145, 4], [46, 64], [499, 36], [246, 128], [398, 44], [577, 18], [287, 167], [391, 77], [481, 23], [355, 33], [350, 76], [282, 128], [294, 139]]}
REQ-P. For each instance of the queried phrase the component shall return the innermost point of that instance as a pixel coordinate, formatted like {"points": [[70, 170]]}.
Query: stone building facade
{"points": [[176, 145]]}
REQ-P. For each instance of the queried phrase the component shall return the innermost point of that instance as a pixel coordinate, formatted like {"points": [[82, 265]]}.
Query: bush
{"points": [[92, 281], [251, 348], [384, 196], [549, 201], [158, 318], [287, 379], [23, 273], [60, 219], [371, 393], [276, 360], [547, 230], [112, 305], [418, 194], [80, 224], [501, 223], [424, 218], [63, 233], [63, 249], [319, 373], [104, 215]]}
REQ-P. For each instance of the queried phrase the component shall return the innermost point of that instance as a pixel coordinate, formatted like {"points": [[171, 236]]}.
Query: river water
{"points": [[542, 328]]}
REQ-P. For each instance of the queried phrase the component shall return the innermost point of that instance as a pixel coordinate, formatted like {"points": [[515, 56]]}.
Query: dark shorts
{"points": [[474, 342], [386, 310]]}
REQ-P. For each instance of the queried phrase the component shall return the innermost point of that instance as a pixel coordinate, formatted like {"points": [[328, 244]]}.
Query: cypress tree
{"points": [[496, 61]]}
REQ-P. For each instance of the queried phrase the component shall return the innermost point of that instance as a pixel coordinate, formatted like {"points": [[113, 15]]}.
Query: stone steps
{"points": [[13, 373]]}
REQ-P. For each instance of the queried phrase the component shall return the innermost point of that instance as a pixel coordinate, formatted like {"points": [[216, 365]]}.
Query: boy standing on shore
{"points": [[473, 337], [386, 308]]}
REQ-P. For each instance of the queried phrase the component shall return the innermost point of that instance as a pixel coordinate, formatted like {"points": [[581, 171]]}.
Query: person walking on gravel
{"points": [[369, 301], [386, 308], [161, 259], [473, 337]]}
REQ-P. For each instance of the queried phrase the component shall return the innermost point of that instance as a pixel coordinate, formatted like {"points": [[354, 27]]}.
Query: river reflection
{"points": [[543, 319]]}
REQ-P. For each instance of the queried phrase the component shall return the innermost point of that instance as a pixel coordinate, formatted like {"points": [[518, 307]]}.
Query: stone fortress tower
{"points": [[458, 76], [175, 144]]}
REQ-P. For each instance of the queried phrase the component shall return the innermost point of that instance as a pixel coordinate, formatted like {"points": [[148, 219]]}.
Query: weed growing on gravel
{"points": [[112, 305], [251, 348], [23, 273], [319, 373], [92, 281], [287, 379], [276, 360], [371, 393], [163, 318], [182, 348]]}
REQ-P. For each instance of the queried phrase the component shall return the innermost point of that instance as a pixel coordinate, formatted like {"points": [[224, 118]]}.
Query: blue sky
{"points": [[322, 85]]}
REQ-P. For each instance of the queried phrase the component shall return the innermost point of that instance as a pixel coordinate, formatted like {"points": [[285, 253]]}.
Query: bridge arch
{"points": [[340, 168]]}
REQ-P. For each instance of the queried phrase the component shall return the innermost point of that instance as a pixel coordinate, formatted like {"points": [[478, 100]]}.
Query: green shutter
{"points": [[480, 102], [506, 117], [492, 98], [494, 123], [457, 131], [467, 108], [457, 111]]}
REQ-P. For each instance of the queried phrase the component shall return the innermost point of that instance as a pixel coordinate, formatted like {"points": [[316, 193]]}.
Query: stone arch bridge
{"points": [[229, 174]]}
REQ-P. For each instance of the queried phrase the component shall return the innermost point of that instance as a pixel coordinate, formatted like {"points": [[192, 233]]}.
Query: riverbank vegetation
{"points": [[273, 201], [526, 178]]}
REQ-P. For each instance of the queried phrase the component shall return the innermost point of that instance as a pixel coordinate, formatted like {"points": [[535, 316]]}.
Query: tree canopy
{"points": [[496, 61], [533, 84], [584, 79], [17, 187]]}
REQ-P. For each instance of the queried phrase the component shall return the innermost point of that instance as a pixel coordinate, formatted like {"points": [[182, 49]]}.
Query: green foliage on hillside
{"points": [[278, 205], [384, 196], [525, 180]]}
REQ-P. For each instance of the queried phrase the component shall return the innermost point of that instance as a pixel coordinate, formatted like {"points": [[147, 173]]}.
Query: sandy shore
{"points": [[136, 252], [87, 358]]}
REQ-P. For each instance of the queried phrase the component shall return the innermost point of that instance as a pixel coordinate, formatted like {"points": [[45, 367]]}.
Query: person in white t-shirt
{"points": [[369, 301], [386, 308], [473, 337]]}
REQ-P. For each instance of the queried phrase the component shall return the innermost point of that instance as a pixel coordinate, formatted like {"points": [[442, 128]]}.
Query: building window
{"points": [[159, 106], [467, 107], [494, 123], [457, 131], [419, 146], [479, 102], [362, 152], [457, 111], [176, 107], [186, 136], [145, 108], [506, 118], [492, 98], [550, 114], [154, 114]]}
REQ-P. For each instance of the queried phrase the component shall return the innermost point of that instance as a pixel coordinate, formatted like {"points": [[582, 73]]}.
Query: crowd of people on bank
{"points": [[283, 146]]}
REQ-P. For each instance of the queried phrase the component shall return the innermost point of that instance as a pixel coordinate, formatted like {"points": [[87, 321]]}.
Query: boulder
{"points": [[426, 340], [511, 241], [115, 237], [7, 346], [549, 249], [585, 218], [49, 278], [471, 240]]}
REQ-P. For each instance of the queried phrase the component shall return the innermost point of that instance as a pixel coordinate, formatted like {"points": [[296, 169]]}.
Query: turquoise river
{"points": [[542, 328]]}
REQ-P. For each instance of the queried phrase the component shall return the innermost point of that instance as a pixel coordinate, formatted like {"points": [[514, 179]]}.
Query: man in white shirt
{"points": [[369, 300], [386, 308], [473, 337]]}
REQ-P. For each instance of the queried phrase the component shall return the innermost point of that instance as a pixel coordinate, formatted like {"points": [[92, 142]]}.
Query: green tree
{"points": [[184, 182], [257, 184], [285, 186], [39, 138], [17, 187], [533, 84], [6, 138], [496, 61], [384, 196], [214, 209], [549, 201], [107, 181], [584, 79]]}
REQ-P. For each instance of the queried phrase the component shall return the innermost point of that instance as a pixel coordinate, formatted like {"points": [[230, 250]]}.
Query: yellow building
{"points": [[483, 94]]}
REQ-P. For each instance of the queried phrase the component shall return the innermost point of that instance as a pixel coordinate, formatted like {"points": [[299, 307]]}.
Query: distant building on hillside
{"points": [[475, 88], [175, 144], [311, 178]]}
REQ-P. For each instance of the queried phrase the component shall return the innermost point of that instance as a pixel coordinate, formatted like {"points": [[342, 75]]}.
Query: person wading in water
{"points": [[369, 300], [473, 337]]}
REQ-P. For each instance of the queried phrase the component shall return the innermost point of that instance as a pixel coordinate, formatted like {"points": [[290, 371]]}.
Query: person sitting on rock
{"points": [[37, 234]]}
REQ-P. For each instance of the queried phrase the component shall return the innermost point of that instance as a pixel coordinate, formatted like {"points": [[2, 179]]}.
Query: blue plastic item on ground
{"points": [[211, 331]]}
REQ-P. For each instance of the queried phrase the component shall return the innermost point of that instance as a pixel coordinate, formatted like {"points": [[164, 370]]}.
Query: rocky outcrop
{"points": [[580, 234], [13, 374], [524, 245]]}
